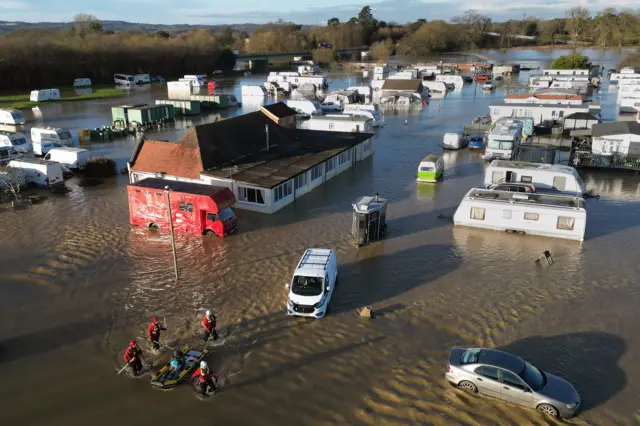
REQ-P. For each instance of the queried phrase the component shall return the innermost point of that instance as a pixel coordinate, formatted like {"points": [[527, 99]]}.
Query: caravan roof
{"points": [[558, 201], [524, 165]]}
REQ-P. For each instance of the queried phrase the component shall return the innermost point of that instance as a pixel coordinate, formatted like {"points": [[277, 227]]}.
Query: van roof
{"points": [[430, 158], [524, 165], [314, 262], [34, 161], [68, 149]]}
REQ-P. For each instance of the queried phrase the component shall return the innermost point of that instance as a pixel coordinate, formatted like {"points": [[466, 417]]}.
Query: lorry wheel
{"points": [[209, 233]]}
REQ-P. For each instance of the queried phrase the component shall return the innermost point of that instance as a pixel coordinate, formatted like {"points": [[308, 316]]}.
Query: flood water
{"points": [[77, 282]]}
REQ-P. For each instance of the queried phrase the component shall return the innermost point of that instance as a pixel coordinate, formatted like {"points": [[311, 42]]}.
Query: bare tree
{"points": [[577, 22]]}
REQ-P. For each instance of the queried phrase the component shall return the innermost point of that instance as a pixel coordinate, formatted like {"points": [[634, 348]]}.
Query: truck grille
{"points": [[303, 309]]}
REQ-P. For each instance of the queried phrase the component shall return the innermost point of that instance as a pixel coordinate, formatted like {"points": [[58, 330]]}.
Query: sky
{"points": [[300, 11]]}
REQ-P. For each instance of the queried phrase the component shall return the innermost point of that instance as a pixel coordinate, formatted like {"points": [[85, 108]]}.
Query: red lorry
{"points": [[196, 208]]}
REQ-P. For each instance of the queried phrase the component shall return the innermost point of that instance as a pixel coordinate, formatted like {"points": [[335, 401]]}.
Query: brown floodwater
{"points": [[77, 282]]}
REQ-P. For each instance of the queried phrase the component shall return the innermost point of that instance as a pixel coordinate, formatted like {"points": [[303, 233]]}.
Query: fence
{"points": [[614, 161], [535, 153]]}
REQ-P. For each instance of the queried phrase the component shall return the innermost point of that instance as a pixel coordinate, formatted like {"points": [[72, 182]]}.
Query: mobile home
{"points": [[15, 140], [456, 80], [308, 107], [365, 111], [544, 177], [44, 95], [628, 103], [504, 137], [180, 86], [11, 116], [55, 134], [81, 82], [539, 112], [41, 173], [435, 86], [338, 123], [557, 216]]}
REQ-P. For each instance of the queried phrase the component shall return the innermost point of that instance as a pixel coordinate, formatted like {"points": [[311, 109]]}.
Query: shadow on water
{"points": [[588, 360], [604, 217], [378, 278], [419, 222]]}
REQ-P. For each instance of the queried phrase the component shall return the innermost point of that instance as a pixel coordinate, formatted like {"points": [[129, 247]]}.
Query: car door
{"points": [[514, 389], [487, 380]]}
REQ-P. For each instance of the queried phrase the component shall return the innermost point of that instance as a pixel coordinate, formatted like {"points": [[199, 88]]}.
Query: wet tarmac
{"points": [[77, 282]]}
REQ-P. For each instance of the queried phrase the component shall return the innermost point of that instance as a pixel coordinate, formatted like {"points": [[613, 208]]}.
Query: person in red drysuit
{"points": [[209, 322], [153, 332], [132, 357], [206, 378]]}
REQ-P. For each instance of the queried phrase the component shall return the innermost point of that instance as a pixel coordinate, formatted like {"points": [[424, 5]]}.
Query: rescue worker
{"points": [[209, 323], [132, 357], [176, 360], [206, 379], [153, 333]]}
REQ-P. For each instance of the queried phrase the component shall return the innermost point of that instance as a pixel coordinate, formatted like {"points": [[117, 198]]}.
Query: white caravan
{"points": [[435, 86], [17, 141], [75, 158], [628, 103], [39, 172], [313, 283], [307, 107], [254, 91], [544, 177], [338, 123], [7, 154], [504, 137], [365, 111], [456, 80], [557, 216], [42, 147], [196, 80], [82, 82], [55, 134], [11, 116], [44, 95]]}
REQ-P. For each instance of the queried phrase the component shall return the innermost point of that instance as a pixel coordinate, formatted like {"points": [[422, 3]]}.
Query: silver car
{"points": [[505, 376]]}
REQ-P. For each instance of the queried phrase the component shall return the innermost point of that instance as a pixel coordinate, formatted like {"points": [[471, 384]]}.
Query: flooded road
{"points": [[77, 282]]}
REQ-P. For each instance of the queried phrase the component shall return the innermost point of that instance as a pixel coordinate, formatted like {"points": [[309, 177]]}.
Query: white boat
{"points": [[557, 216]]}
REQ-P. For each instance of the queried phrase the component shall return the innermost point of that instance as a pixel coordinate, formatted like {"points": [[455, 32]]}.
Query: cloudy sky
{"points": [[299, 11]]}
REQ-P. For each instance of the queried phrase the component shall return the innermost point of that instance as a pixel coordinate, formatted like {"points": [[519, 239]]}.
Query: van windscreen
{"points": [[65, 135], [307, 286]]}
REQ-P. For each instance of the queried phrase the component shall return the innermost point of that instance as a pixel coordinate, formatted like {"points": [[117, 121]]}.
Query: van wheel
{"points": [[209, 233], [153, 225]]}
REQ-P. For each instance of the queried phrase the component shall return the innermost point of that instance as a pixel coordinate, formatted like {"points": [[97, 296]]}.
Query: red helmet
{"points": [[155, 320], [132, 343]]}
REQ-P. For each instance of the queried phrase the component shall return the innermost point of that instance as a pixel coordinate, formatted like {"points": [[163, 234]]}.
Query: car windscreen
{"points": [[470, 356], [534, 377], [65, 135], [226, 214], [307, 286]]}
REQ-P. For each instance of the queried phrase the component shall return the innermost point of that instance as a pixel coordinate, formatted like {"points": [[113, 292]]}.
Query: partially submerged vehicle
{"points": [[312, 284], [369, 219], [169, 377], [431, 168], [402, 99]]}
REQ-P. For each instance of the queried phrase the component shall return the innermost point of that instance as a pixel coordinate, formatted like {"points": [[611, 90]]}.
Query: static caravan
{"points": [[254, 91], [123, 79], [557, 216], [11, 116], [55, 134], [505, 135], [308, 107], [363, 91], [544, 177], [7, 154], [539, 112], [180, 86], [505, 69], [41, 173], [196, 80], [81, 82], [628, 91], [628, 104], [338, 123], [431, 168], [141, 79], [456, 80], [44, 95], [410, 74], [15, 140], [629, 73], [376, 85], [317, 80], [435, 86], [365, 111]]}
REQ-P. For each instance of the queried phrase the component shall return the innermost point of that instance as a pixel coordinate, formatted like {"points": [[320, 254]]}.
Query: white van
{"points": [[7, 154], [75, 158], [453, 141], [42, 147], [11, 116], [81, 82], [17, 141], [123, 79], [55, 134], [44, 95], [312, 284], [39, 172], [141, 79]]}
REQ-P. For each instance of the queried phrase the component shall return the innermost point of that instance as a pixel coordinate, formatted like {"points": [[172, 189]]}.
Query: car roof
{"points": [[501, 359]]}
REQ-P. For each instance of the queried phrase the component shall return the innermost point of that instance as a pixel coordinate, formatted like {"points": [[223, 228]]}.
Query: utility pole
{"points": [[173, 237]]}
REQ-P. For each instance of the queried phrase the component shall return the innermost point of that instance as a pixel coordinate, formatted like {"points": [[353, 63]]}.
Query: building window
{"points": [[565, 223], [283, 191], [344, 157], [526, 179], [186, 207], [367, 146], [250, 195], [531, 216], [331, 164], [316, 172], [559, 182], [506, 214], [477, 213], [300, 180]]}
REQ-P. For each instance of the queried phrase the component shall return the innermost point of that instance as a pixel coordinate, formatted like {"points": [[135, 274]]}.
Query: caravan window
{"points": [[526, 179], [559, 182], [531, 216], [496, 177], [477, 213], [565, 223]]}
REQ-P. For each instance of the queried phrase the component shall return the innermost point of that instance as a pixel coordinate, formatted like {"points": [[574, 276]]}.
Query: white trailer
{"points": [[338, 123], [628, 104], [44, 95], [61, 135], [557, 216], [538, 113], [544, 177], [75, 158], [82, 82], [11, 116], [15, 140], [183, 85], [39, 172], [365, 111]]}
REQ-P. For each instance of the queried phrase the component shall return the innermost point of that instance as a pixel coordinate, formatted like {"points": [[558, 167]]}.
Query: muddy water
{"points": [[77, 282]]}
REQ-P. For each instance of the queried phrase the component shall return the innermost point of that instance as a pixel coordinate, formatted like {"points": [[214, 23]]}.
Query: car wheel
{"points": [[468, 386], [547, 409]]}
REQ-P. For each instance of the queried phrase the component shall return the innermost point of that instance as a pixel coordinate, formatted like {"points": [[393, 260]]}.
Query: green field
{"points": [[22, 101]]}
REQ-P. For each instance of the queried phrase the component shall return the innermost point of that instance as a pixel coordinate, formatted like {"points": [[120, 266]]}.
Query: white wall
{"points": [[537, 113], [628, 144]]}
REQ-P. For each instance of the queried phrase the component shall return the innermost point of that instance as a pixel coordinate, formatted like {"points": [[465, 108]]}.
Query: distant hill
{"points": [[6, 26]]}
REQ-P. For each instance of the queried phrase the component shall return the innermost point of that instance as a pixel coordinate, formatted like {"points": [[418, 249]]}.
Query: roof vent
{"points": [[522, 197]]}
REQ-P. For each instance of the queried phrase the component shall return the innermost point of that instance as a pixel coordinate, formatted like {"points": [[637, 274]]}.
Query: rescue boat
{"points": [[167, 377]]}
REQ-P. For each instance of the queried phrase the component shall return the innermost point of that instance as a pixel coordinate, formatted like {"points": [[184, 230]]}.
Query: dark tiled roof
{"points": [[280, 110], [581, 116], [402, 85], [616, 128]]}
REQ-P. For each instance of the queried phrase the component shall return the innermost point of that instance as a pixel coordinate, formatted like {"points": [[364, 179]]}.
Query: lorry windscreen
{"points": [[307, 286], [226, 214]]}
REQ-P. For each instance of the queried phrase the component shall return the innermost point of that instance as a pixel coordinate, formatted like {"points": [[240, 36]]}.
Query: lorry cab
{"points": [[312, 284], [222, 223]]}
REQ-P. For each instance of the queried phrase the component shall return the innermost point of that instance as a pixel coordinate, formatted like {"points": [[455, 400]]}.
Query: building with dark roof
{"points": [[392, 86], [266, 165], [620, 137], [281, 114], [580, 121]]}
